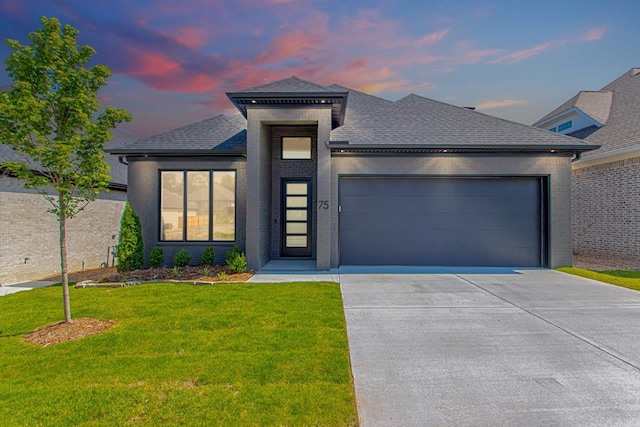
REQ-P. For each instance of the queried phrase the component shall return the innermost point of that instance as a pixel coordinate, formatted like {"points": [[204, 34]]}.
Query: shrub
{"points": [[156, 257], [208, 255], [236, 260], [181, 258], [130, 244]]}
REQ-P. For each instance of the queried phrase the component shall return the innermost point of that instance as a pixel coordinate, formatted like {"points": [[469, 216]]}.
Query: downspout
{"points": [[576, 157], [123, 160]]}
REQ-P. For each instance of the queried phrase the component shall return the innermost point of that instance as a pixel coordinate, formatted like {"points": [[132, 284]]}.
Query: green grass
{"points": [[624, 278], [237, 354]]}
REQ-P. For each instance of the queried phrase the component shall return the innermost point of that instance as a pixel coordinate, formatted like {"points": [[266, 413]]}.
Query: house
{"points": [[340, 177], [29, 235], [605, 182]]}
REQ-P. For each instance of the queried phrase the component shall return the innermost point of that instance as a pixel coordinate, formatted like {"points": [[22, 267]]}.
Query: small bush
{"points": [[208, 256], [236, 260], [181, 258], [156, 257], [130, 245]]}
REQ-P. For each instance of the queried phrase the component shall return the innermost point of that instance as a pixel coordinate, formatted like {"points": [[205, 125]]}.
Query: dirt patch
{"points": [[61, 332], [218, 273]]}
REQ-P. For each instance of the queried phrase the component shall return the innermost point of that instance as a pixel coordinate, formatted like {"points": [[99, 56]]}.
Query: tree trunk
{"points": [[63, 258]]}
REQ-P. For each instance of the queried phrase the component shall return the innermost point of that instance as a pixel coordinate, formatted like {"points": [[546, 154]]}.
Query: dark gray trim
{"points": [[340, 147], [185, 207]]}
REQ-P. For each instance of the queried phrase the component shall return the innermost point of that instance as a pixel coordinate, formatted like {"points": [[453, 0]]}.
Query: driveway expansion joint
{"points": [[567, 331]]}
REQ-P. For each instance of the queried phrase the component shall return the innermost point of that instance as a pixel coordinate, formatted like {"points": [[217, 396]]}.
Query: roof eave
{"points": [[444, 148], [178, 152]]}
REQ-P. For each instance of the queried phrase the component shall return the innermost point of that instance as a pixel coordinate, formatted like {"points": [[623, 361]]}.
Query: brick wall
{"points": [[606, 209], [29, 238]]}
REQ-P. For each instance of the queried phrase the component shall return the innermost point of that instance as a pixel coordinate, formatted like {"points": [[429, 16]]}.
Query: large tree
{"points": [[53, 118]]}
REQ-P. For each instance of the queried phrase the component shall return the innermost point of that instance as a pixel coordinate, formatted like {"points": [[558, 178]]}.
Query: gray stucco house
{"points": [[606, 181], [340, 177]]}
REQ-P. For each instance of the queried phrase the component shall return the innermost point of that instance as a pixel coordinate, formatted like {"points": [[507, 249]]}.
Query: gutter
{"points": [[344, 146]]}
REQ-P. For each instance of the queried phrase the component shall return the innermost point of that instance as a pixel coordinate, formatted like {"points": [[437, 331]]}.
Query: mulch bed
{"points": [[188, 273], [79, 328], [61, 332]]}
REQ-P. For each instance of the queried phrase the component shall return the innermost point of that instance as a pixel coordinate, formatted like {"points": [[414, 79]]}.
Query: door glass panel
{"points": [[296, 188], [296, 215], [296, 241], [296, 201], [297, 228]]}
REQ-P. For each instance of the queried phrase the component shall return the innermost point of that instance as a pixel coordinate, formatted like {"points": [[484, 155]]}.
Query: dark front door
{"points": [[296, 218]]}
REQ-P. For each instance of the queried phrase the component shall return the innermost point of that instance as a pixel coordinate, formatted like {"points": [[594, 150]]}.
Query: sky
{"points": [[173, 61]]}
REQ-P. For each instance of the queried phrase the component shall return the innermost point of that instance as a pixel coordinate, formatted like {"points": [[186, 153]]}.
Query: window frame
{"points": [[185, 201], [282, 140]]}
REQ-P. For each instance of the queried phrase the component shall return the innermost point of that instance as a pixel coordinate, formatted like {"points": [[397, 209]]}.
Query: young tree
{"points": [[130, 243], [52, 117]]}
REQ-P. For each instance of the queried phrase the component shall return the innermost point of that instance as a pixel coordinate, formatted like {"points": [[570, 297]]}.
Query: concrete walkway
{"points": [[26, 286], [492, 348]]}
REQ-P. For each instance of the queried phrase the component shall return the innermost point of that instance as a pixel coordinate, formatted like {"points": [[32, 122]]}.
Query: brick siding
{"points": [[29, 237], [606, 209]]}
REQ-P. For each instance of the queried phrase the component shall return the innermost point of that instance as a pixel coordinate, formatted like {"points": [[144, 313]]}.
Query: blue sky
{"points": [[172, 62]]}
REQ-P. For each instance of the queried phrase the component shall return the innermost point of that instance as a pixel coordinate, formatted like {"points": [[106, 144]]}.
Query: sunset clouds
{"points": [[198, 49]]}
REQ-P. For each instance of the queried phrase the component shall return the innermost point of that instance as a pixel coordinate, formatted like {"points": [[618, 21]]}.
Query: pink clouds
{"points": [[194, 38], [522, 54], [160, 72], [594, 34]]}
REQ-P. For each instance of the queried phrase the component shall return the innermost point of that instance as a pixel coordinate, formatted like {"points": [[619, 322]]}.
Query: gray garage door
{"points": [[441, 221]]}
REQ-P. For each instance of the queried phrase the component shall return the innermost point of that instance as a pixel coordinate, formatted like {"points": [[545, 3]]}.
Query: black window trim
{"points": [[184, 206]]}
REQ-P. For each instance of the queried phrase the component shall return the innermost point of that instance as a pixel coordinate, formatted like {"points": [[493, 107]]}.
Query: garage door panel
{"points": [[440, 221]]}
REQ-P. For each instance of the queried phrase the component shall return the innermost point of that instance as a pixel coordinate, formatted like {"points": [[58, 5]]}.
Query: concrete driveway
{"points": [[492, 347]]}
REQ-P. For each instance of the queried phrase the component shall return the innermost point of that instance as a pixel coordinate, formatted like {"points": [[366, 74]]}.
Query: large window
{"points": [[198, 205]]}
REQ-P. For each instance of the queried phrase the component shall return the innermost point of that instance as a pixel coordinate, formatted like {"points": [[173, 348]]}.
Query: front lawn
{"points": [[233, 354], [624, 278]]}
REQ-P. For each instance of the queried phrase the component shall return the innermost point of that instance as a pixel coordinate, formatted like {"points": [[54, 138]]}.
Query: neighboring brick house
{"points": [[29, 235], [340, 177], [606, 181]]}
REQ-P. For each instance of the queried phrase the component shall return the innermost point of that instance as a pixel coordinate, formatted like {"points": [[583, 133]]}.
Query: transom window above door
{"points": [[296, 147]]}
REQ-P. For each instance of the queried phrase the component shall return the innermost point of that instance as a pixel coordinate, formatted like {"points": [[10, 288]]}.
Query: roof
{"points": [[418, 121], [412, 122], [621, 129], [220, 133], [595, 104], [292, 91], [118, 170]]}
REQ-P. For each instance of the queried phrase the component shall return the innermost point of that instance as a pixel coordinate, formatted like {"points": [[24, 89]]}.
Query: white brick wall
{"points": [[29, 235]]}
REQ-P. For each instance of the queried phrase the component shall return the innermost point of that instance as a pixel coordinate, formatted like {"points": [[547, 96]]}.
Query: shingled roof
{"points": [[118, 170], [219, 133], [621, 127], [368, 120], [419, 121]]}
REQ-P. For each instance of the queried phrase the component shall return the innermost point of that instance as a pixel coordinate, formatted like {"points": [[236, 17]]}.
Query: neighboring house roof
{"points": [[413, 121], [621, 127], [118, 170], [596, 105]]}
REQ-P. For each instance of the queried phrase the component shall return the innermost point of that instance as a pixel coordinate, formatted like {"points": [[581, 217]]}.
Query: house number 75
{"points": [[323, 204]]}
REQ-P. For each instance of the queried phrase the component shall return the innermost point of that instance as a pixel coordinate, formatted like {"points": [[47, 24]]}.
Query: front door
{"points": [[296, 218]]}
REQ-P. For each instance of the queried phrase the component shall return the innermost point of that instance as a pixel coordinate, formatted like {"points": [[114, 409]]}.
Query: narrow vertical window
{"points": [[172, 205], [198, 205], [224, 205]]}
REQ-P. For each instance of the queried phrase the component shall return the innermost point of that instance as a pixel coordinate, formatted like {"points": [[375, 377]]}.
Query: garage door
{"points": [[441, 221]]}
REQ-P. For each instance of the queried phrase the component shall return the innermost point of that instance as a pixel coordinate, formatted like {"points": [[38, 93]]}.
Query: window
{"points": [[564, 126], [198, 205], [296, 147], [553, 129]]}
